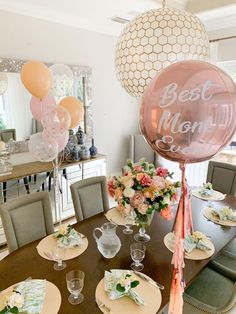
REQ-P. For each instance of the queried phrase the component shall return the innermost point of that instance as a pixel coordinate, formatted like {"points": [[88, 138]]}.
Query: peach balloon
{"points": [[75, 108], [36, 78]]}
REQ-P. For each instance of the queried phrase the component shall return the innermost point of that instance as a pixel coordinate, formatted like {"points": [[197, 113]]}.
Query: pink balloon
{"points": [[56, 121], [42, 150], [38, 107], [61, 139], [188, 111]]}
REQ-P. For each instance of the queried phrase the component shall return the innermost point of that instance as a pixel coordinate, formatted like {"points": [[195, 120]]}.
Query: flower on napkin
{"points": [[68, 237], [13, 303], [196, 240], [225, 213], [120, 283], [206, 189]]}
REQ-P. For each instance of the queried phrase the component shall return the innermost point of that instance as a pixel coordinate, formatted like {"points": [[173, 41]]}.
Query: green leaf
{"points": [[120, 288], [134, 284], [149, 211], [127, 276], [14, 310], [5, 310]]}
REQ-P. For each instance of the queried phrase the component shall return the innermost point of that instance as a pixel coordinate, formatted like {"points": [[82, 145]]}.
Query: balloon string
{"points": [[163, 4]]}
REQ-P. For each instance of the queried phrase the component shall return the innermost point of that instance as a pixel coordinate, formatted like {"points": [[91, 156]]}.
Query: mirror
{"points": [[14, 103]]}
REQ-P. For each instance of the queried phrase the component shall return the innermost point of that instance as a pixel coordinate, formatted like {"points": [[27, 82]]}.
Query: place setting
{"points": [[197, 246], [31, 296], [207, 193], [63, 245], [224, 216], [129, 291]]}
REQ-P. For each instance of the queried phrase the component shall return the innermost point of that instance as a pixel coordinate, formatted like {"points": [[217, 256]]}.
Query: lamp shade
{"points": [[154, 40]]}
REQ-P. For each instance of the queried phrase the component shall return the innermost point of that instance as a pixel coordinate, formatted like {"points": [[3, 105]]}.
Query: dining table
{"points": [[26, 262]]}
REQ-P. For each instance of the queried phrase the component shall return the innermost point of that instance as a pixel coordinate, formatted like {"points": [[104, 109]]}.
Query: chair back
{"points": [[89, 197], [7, 135], [222, 176], [26, 219]]}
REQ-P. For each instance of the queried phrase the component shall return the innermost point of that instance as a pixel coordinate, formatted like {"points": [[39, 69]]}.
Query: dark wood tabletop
{"points": [[26, 262]]}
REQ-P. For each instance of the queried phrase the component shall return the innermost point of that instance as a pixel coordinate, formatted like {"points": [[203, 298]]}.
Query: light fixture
{"points": [[155, 39]]}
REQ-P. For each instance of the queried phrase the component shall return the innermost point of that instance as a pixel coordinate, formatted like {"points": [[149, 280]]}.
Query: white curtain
{"points": [[214, 50]]}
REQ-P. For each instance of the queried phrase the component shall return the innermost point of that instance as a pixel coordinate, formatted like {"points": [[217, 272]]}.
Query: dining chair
{"points": [[139, 148], [211, 293], [26, 219], [222, 176], [89, 197]]}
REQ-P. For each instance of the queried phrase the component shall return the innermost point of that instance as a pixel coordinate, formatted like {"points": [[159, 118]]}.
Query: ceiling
{"points": [[95, 15]]}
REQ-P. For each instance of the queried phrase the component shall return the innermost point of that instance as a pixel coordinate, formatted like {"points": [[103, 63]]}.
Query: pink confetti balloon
{"points": [[61, 139], [38, 107], [188, 111], [42, 150], [56, 121]]}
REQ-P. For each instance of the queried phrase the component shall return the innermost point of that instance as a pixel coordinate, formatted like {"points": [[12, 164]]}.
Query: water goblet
{"points": [[75, 283], [129, 222], [137, 252], [58, 255]]}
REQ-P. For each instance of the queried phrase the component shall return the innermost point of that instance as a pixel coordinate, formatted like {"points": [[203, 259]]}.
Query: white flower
{"points": [[127, 181], [227, 211], [197, 236], [15, 299], [62, 229], [166, 199], [129, 192]]}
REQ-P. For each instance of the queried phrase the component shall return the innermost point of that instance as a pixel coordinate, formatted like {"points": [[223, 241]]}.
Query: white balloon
{"points": [[42, 149], [3, 83], [62, 79]]}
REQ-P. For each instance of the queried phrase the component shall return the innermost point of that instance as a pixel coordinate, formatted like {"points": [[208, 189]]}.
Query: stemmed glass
{"points": [[129, 222], [58, 255], [137, 252], [75, 283]]}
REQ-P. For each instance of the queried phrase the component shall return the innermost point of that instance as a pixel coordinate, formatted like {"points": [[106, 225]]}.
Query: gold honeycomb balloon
{"points": [[154, 40]]}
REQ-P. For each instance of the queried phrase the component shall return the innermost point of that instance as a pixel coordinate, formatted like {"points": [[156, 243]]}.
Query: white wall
{"points": [[115, 113]]}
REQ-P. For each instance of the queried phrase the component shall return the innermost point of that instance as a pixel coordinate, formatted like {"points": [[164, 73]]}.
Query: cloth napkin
{"points": [[112, 279], [224, 213], [205, 192], [33, 292], [70, 240], [190, 244]]}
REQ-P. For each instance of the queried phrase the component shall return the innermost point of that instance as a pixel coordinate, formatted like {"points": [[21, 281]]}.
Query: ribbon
{"points": [[182, 227]]}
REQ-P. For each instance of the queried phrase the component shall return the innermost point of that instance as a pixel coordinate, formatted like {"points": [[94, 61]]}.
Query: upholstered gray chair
{"points": [[89, 197], [26, 219], [211, 292], [222, 176], [139, 148]]}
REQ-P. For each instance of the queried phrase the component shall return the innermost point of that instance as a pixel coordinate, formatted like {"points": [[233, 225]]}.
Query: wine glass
{"points": [[75, 283], [129, 222], [58, 256], [137, 252]]}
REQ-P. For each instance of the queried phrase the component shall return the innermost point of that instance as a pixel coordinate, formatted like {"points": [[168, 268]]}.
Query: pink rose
{"points": [[160, 182], [138, 168], [111, 187], [162, 172], [142, 208], [137, 199], [166, 213], [174, 197], [144, 179]]}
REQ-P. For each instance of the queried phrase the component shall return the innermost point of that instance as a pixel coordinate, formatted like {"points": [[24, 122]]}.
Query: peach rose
{"points": [[118, 193], [129, 192], [137, 199], [159, 182], [127, 181], [144, 179], [166, 213], [142, 209]]}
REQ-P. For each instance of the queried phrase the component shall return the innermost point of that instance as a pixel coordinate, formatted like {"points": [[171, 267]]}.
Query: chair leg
{"points": [[26, 183], [4, 186]]}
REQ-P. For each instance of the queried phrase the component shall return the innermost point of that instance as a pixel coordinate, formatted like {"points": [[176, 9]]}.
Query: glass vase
{"points": [[143, 221]]}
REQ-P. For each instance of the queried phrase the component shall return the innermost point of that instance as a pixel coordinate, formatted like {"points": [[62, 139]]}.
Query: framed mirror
{"points": [[14, 102]]}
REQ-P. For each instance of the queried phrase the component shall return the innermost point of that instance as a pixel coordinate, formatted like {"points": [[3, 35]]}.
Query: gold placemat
{"points": [[47, 244], [150, 293], [196, 254], [229, 223], [114, 215], [52, 301], [216, 195]]}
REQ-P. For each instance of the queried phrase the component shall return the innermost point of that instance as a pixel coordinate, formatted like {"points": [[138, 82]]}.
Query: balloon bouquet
{"points": [[188, 114], [56, 120]]}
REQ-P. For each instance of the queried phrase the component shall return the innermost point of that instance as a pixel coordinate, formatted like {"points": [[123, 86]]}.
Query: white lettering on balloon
{"points": [[173, 122], [170, 94]]}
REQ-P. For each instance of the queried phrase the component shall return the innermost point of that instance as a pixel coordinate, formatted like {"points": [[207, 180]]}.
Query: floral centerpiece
{"points": [[68, 237], [13, 303], [144, 189]]}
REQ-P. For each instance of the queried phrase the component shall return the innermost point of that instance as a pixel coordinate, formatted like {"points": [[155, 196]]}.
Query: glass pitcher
{"points": [[108, 243]]}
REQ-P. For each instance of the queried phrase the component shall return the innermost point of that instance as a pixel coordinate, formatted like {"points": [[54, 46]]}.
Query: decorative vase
{"points": [[75, 153], [93, 150], [143, 221], [80, 136], [84, 153]]}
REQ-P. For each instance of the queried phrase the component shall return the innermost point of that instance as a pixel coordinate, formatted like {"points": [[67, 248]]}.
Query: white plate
{"points": [[216, 195], [207, 213]]}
